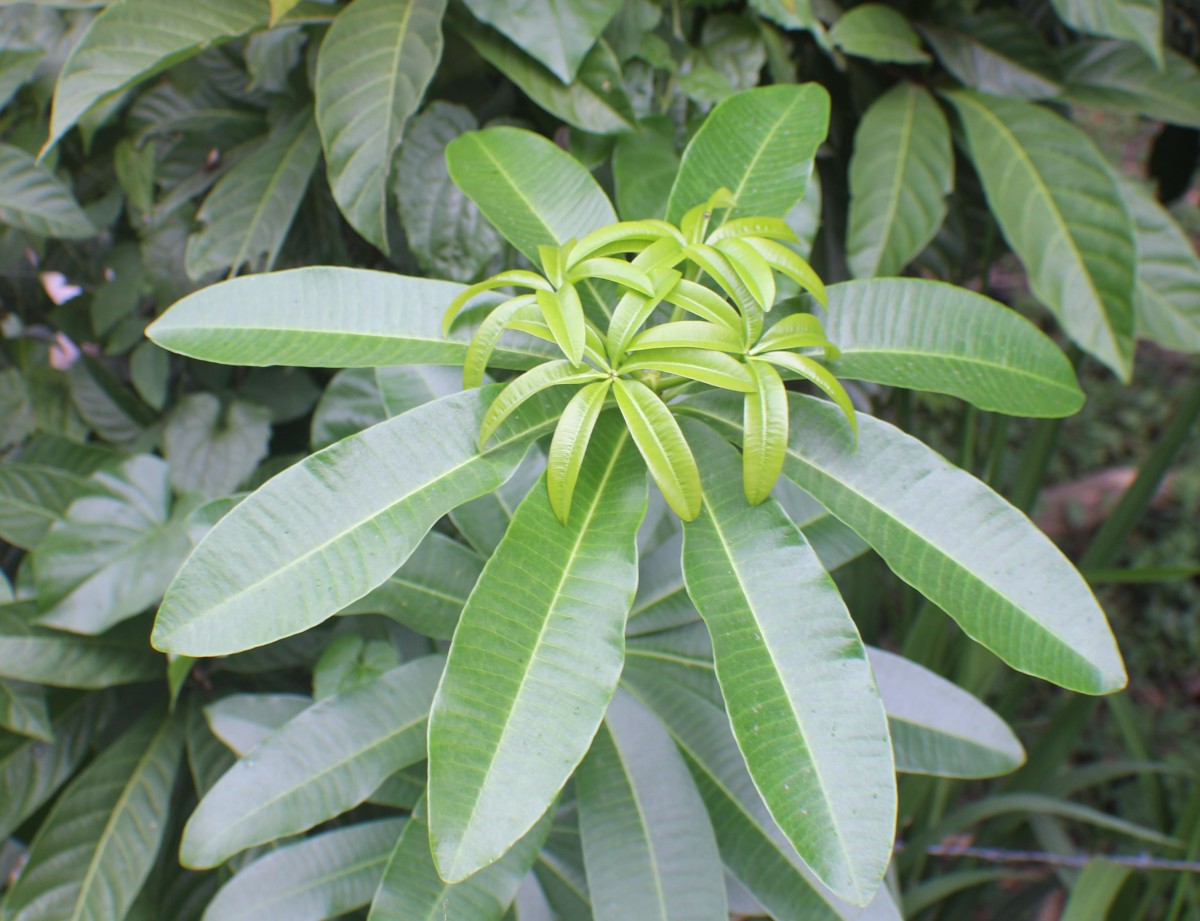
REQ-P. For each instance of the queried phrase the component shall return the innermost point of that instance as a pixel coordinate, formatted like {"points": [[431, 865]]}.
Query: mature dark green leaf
{"points": [[429, 591], [535, 659], [95, 849], [29, 653], [323, 762], [791, 14], [212, 447], [594, 101], [937, 728], [1118, 75], [32, 770], [23, 709], [17, 66], [248, 213], [483, 521], [877, 32], [350, 403], [115, 550], [900, 174], [558, 33], [800, 694], [372, 70], [444, 228], [1138, 21], [135, 39], [1061, 211], [1168, 276], [647, 842], [388, 484], [760, 145], [950, 537], [33, 199], [644, 164], [535, 193], [241, 721], [32, 498], [411, 888], [319, 878], [997, 52], [927, 335], [1095, 892]]}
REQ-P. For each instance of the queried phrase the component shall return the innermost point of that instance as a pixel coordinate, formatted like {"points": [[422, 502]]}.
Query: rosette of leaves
{"points": [[722, 346]]}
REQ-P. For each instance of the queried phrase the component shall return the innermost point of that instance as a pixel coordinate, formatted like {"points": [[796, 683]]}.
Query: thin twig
{"points": [[1001, 855]]}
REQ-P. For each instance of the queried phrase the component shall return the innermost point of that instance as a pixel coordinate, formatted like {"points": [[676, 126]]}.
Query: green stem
{"points": [[997, 442], [1037, 461]]}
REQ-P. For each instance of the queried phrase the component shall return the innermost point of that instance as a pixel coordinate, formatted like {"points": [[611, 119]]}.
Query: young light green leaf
{"points": [[633, 310], [95, 849], [1138, 21], [1060, 209], [373, 67], [519, 390], [697, 364], [751, 268], [688, 334], [615, 270], [704, 303], [900, 174], [323, 762], [662, 446], [134, 39], [248, 213], [795, 331], [768, 228], [648, 845], [788, 262], [717, 267], [826, 771], [516, 278], [322, 877], [817, 374], [412, 889], [950, 537], [778, 129], [563, 312], [487, 337], [531, 190], [534, 660], [766, 433], [926, 335], [569, 445], [33, 199], [877, 32], [331, 500]]}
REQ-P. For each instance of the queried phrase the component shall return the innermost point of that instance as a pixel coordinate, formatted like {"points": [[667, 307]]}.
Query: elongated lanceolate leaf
{"points": [[1139, 21], [997, 52], [1118, 75], [248, 213], [926, 335], [535, 659], [324, 317], [372, 70], [99, 842], [1062, 213], [532, 191], [412, 890], [338, 524], [133, 39], [751, 844], [760, 145], [322, 877], [950, 537], [33, 199], [323, 762], [938, 728], [241, 721], [1168, 280], [648, 844], [900, 174], [795, 677], [62, 660]]}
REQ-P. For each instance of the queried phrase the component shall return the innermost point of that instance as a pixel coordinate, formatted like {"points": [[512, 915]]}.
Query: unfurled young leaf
{"points": [[563, 312], [569, 445], [529, 385], [766, 426]]}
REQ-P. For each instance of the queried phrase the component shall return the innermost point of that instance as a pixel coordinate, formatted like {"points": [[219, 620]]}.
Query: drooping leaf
{"points": [[213, 448], [569, 445], [800, 693], [115, 550], [534, 660], [98, 844], [319, 878], [389, 483], [532, 191], [926, 335], [877, 32], [556, 32], [937, 728], [760, 145], [648, 845], [444, 228], [1138, 21], [1060, 209], [372, 70], [662, 445], [900, 174], [1118, 75], [998, 52], [323, 762], [134, 39], [32, 498], [249, 211], [1168, 275], [412, 889], [33, 199], [950, 537]]}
